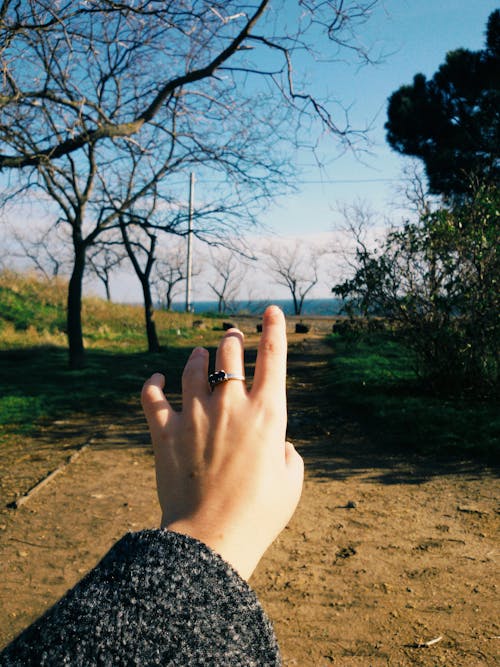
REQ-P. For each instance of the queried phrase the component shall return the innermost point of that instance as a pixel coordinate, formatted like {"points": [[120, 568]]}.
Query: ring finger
{"points": [[230, 358]]}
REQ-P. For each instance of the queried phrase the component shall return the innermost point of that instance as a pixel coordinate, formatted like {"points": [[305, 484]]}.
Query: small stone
{"points": [[351, 504], [199, 324]]}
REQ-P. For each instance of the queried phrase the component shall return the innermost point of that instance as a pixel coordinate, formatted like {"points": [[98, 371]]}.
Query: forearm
{"points": [[156, 598]]}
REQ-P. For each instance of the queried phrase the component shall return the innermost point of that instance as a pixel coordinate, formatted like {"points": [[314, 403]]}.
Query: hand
{"points": [[225, 474]]}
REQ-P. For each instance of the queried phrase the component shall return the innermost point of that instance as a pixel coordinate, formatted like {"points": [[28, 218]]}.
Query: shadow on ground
{"points": [[335, 445], [339, 446]]}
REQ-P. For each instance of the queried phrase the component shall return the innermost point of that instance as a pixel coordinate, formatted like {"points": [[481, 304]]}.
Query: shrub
{"points": [[437, 280]]}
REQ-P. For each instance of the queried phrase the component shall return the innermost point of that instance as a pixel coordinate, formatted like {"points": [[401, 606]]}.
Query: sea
{"points": [[311, 307]]}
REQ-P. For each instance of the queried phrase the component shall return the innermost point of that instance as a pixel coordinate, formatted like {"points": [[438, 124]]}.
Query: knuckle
{"points": [[270, 347], [232, 344], [270, 409]]}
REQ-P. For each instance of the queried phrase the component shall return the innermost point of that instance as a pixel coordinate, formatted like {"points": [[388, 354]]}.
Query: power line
{"points": [[326, 181], [354, 180]]}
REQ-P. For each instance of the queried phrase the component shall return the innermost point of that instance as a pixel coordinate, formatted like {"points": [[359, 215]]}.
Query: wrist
{"points": [[231, 550]]}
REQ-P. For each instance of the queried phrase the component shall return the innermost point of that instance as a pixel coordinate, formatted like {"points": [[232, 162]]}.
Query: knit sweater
{"points": [[156, 598]]}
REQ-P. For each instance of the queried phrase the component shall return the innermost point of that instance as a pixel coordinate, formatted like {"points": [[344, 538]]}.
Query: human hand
{"points": [[225, 474]]}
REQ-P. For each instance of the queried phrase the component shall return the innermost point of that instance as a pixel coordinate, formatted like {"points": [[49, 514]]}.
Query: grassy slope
{"points": [[35, 383], [376, 379]]}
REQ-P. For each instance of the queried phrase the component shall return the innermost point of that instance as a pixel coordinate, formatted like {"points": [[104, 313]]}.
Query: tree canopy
{"points": [[102, 102], [452, 121], [77, 73]]}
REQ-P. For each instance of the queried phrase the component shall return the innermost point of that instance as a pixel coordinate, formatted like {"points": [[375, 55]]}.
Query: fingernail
{"points": [[198, 351], [273, 310]]}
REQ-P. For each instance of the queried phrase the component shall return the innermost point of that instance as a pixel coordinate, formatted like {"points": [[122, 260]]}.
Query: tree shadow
{"points": [[102, 402], [345, 455], [338, 446]]}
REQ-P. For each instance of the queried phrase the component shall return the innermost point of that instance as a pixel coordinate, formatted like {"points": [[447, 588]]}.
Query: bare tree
{"points": [[358, 228], [228, 269], [79, 80], [295, 267], [72, 187], [412, 191], [142, 220], [79, 73], [46, 249], [169, 272], [136, 247], [103, 259], [75, 186]]}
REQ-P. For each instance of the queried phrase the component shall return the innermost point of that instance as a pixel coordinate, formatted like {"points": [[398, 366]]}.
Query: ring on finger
{"points": [[220, 376]]}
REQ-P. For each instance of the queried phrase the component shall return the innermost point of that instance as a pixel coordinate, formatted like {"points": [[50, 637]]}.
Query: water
{"points": [[311, 306]]}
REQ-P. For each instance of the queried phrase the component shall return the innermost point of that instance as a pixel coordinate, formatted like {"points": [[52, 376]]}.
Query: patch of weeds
{"points": [[376, 381], [20, 410]]}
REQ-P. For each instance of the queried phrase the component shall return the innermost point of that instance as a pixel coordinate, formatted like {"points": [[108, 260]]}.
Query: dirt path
{"points": [[384, 554]]}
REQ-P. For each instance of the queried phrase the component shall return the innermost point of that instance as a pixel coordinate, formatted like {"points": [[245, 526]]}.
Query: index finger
{"points": [[270, 367], [157, 409]]}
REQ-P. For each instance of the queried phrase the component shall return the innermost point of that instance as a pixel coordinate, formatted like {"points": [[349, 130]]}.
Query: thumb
{"points": [[295, 466]]}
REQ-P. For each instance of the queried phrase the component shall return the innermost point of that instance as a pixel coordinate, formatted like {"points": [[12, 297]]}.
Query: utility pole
{"points": [[189, 269]]}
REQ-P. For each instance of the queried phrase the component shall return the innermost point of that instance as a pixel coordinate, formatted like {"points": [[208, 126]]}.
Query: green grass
{"points": [[35, 382], [376, 380], [24, 308]]}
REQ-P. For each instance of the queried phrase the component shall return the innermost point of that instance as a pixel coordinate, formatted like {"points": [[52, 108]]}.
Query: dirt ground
{"points": [[386, 553]]}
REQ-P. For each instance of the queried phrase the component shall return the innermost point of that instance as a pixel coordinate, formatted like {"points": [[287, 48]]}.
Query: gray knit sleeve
{"points": [[156, 598]]}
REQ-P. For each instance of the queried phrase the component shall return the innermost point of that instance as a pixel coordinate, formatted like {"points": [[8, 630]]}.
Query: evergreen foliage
{"points": [[452, 121]]}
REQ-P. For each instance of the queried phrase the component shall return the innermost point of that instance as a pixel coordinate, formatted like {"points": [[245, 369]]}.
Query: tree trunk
{"points": [[107, 286], [168, 298], [153, 342], [74, 310]]}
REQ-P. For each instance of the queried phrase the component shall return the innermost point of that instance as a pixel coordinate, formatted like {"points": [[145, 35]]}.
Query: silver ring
{"points": [[218, 377]]}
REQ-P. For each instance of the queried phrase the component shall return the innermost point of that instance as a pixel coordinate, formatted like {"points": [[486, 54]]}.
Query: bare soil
{"points": [[386, 553]]}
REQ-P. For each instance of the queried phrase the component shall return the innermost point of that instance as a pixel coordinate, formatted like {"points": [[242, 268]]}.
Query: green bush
{"points": [[437, 279]]}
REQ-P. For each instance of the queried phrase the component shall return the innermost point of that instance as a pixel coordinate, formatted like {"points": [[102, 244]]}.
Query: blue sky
{"points": [[416, 35]]}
